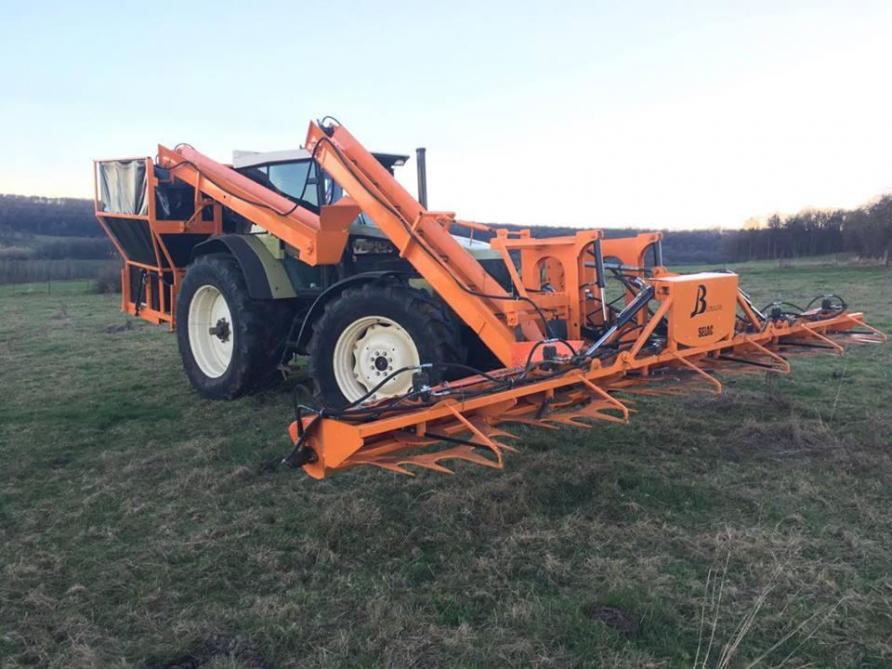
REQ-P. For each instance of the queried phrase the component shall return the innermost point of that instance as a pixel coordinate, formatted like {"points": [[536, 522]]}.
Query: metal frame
{"points": [[164, 269]]}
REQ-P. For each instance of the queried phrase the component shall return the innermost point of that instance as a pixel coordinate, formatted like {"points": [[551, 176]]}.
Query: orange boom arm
{"points": [[422, 237]]}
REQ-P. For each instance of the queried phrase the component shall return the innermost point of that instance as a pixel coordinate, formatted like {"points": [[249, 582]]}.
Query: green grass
{"points": [[140, 526], [48, 288]]}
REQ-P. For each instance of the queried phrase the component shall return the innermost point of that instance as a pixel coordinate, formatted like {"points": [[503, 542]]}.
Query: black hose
{"points": [[842, 303], [798, 310]]}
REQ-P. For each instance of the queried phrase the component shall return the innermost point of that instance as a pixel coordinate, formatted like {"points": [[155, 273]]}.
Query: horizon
{"points": [[761, 222], [643, 118]]}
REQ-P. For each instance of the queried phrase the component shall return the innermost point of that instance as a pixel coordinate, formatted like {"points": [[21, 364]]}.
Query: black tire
{"points": [[259, 329], [433, 330]]}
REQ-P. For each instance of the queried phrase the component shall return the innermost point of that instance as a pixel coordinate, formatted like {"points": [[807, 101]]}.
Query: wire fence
{"points": [[63, 276], [68, 287]]}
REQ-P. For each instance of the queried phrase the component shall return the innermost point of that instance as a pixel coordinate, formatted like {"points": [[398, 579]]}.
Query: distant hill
{"points": [[73, 217], [53, 216], [865, 231]]}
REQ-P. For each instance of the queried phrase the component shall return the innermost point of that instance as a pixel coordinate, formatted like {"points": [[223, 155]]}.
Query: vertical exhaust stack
{"points": [[421, 161]]}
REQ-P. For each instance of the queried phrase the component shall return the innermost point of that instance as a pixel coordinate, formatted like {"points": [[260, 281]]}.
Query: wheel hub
{"points": [[370, 350], [221, 330], [210, 331]]}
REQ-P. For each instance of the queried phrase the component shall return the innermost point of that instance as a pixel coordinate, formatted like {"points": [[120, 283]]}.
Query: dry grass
{"points": [[140, 527]]}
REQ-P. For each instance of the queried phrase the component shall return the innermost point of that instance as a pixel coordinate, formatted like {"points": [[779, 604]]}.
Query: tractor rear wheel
{"points": [[230, 343], [368, 333]]}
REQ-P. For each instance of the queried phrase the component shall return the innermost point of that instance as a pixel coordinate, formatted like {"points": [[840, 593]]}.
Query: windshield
{"points": [[289, 179], [292, 179]]}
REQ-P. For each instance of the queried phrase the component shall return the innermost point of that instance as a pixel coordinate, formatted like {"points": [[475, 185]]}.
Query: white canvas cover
{"points": [[122, 187]]}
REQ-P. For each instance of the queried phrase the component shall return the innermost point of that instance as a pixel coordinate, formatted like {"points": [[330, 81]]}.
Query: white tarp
{"points": [[122, 187]]}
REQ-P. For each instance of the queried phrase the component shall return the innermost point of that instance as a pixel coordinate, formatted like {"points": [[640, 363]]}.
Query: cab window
{"points": [[289, 178]]}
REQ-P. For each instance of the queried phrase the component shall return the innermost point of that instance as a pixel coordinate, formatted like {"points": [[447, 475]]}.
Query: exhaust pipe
{"points": [[421, 163]]}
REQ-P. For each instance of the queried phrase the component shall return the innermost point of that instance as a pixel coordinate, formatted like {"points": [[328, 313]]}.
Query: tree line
{"points": [[53, 216], [865, 231], [22, 216], [680, 247]]}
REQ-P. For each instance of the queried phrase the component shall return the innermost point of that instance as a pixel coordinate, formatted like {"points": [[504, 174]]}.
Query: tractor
{"points": [[243, 303]]}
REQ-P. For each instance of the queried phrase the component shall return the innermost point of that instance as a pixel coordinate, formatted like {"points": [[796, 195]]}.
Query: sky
{"points": [[592, 114]]}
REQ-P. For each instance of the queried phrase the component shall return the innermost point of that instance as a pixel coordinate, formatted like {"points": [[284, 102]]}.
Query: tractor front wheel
{"points": [[367, 335]]}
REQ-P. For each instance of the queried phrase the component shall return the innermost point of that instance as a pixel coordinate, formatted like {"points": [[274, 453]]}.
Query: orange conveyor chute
{"points": [[318, 239]]}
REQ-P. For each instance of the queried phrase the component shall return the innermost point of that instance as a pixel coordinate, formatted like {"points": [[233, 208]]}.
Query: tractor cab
{"points": [[294, 174]]}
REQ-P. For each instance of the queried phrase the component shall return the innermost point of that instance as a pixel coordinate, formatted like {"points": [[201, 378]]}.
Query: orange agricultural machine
{"points": [[425, 335]]}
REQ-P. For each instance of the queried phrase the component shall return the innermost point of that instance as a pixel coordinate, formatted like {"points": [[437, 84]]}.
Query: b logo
{"points": [[700, 303]]}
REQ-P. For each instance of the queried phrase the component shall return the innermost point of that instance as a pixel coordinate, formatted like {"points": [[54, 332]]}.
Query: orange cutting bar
{"points": [[336, 441]]}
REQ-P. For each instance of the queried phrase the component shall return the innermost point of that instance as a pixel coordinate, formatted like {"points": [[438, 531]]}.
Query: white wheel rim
{"points": [[367, 351], [211, 333]]}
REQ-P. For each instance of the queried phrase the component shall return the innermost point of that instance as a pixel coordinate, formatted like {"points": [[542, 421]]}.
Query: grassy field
{"points": [[140, 525]]}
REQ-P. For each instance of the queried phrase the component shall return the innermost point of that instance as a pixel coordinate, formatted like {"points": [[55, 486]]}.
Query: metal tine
{"points": [[499, 444], [430, 461], [487, 442], [824, 338], [741, 356], [650, 385], [532, 422], [481, 431], [565, 419], [881, 336], [394, 454], [653, 392], [499, 432], [598, 413], [583, 401], [492, 431], [602, 399], [471, 455], [396, 463], [393, 467], [864, 338], [421, 461], [488, 426], [591, 411]]}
